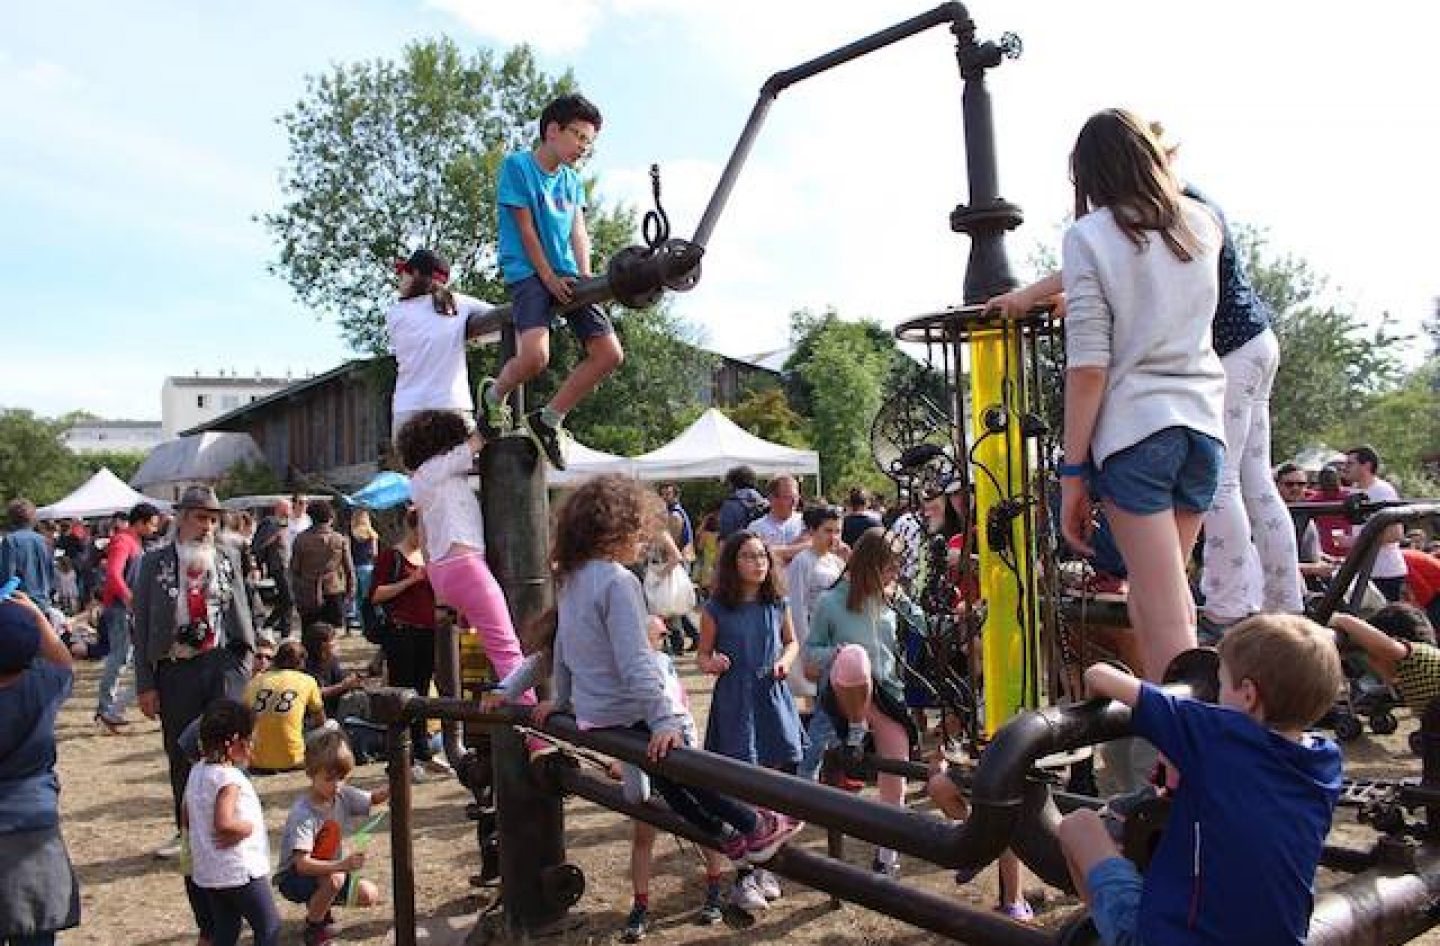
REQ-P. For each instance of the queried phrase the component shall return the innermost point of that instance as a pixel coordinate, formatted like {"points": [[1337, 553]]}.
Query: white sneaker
{"points": [[169, 850], [419, 775], [438, 766], [745, 895], [769, 884]]}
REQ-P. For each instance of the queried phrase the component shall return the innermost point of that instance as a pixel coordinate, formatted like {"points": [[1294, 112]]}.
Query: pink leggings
{"points": [[464, 582], [851, 669]]}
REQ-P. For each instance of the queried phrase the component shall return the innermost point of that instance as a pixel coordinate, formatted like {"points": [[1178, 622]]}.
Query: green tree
{"points": [[766, 413], [387, 155], [33, 461], [1331, 364], [123, 463], [843, 372], [1402, 423]]}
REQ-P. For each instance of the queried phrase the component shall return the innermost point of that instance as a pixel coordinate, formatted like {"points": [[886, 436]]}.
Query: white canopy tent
{"points": [[714, 444], [582, 462], [103, 494]]}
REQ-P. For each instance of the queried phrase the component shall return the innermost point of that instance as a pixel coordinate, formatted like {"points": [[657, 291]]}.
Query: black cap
{"points": [[425, 262]]}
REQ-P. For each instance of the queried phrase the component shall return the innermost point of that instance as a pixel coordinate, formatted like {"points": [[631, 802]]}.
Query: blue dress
{"points": [[752, 715]]}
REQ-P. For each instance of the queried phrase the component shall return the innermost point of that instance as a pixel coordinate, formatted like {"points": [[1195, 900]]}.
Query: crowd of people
{"points": [[810, 616]]}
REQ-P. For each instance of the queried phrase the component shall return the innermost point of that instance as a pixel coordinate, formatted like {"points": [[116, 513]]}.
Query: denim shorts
{"points": [[530, 304], [1115, 886], [1175, 468], [299, 888]]}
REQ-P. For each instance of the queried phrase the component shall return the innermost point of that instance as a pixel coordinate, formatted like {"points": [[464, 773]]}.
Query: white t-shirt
{"points": [[807, 577], [1389, 563], [449, 511], [214, 867], [430, 354], [779, 533]]}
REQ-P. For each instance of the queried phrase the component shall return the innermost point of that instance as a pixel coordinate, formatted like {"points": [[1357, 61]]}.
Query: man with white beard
{"points": [[193, 632]]}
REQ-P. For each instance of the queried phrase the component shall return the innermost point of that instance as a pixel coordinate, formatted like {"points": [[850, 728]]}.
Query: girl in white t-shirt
{"points": [[229, 851], [439, 452], [428, 328]]}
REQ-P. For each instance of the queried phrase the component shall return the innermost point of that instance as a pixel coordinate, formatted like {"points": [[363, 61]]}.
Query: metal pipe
{"points": [[1378, 909], [1362, 552], [930, 911], [780, 81], [402, 845], [532, 837]]}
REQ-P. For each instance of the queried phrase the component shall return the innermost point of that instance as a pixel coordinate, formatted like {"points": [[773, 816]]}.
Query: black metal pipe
{"points": [[532, 837], [780, 81], [402, 845], [930, 911], [1362, 552], [1377, 908]]}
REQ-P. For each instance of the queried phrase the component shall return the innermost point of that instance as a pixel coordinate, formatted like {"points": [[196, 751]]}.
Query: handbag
{"points": [[375, 618], [668, 594]]}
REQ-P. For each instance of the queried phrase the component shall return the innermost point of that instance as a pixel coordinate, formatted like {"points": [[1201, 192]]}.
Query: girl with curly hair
{"points": [[604, 670], [439, 452]]}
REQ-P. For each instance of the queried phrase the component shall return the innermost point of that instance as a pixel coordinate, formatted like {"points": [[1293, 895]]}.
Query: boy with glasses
{"points": [[544, 247]]}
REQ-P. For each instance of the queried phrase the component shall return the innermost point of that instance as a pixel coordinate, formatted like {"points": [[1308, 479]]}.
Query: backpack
{"points": [[375, 618], [739, 510]]}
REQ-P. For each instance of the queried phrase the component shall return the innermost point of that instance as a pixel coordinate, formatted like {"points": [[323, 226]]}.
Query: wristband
{"points": [[1072, 470]]}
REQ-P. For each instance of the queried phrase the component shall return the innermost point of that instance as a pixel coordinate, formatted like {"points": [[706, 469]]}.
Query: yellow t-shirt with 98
{"points": [[280, 700]]}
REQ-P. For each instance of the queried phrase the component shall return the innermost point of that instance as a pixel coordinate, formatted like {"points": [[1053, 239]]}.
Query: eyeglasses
{"points": [[585, 141], [262, 657], [1296, 483], [754, 556]]}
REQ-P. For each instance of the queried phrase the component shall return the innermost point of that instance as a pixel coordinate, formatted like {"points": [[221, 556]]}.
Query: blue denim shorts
{"points": [[1175, 468], [299, 888], [1115, 886], [530, 304]]}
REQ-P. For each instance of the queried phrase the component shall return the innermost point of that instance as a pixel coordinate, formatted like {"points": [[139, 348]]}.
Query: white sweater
{"points": [[1145, 317]]}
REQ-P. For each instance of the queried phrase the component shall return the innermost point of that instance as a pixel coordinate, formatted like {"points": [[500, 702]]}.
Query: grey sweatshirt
{"points": [[604, 668], [1145, 317]]}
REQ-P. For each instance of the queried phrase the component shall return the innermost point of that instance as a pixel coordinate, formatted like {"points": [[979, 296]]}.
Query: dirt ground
{"points": [[116, 811]]}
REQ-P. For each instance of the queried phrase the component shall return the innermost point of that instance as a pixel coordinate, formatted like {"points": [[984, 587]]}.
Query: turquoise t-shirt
{"points": [[552, 200]]}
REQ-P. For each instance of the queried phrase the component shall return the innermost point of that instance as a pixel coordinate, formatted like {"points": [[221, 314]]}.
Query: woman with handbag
{"points": [[669, 593], [404, 604]]}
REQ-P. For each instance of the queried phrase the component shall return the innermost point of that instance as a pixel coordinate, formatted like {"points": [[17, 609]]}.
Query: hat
{"points": [[425, 262], [19, 637], [199, 497]]}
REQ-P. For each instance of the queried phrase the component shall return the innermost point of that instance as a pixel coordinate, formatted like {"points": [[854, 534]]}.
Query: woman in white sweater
{"points": [[1144, 389]]}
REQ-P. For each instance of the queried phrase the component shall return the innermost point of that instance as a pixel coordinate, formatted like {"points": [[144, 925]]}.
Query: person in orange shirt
{"points": [[1422, 582], [286, 702]]}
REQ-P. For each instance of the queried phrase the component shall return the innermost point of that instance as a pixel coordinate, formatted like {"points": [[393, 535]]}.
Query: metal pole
{"points": [[532, 837], [517, 513], [402, 848]]}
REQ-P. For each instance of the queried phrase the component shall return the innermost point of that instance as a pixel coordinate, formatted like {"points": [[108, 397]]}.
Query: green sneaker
{"points": [[550, 438], [492, 420]]}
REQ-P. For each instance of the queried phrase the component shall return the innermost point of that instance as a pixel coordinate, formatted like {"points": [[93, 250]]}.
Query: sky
{"points": [[139, 142]]}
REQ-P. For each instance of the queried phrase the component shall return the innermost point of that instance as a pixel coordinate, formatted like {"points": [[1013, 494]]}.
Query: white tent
{"points": [[101, 495], [714, 444], [581, 463]]}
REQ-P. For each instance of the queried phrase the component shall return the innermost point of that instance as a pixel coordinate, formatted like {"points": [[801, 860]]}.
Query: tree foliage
{"points": [[34, 463], [839, 371], [388, 155], [1331, 364], [766, 413], [248, 478]]}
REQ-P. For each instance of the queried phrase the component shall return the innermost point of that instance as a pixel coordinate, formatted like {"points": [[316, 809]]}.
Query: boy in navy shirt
{"points": [[1236, 863], [544, 246]]}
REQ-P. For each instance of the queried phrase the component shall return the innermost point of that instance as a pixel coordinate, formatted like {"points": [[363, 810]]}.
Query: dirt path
{"points": [[116, 811]]}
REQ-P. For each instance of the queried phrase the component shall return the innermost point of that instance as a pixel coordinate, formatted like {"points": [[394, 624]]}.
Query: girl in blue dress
{"points": [[747, 641]]}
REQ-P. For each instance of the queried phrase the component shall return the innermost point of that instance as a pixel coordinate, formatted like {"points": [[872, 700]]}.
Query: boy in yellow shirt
{"points": [[286, 702]]}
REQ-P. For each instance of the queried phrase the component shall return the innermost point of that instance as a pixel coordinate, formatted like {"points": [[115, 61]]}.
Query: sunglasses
{"points": [[403, 268], [1297, 483]]}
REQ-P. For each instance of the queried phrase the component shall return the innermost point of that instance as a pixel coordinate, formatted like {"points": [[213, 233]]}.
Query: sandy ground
{"points": [[116, 811]]}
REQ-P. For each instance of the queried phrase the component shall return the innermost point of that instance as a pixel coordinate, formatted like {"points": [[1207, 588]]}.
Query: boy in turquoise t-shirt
{"points": [[544, 246]]}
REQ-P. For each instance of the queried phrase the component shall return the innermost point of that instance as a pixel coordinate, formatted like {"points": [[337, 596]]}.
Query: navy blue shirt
{"points": [[739, 509], [1241, 314], [25, 552], [29, 787], [1236, 863]]}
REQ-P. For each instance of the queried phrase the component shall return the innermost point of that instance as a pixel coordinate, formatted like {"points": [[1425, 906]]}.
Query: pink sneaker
{"points": [[736, 850], [770, 835]]}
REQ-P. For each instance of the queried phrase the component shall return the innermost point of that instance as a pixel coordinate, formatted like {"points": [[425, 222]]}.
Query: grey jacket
{"points": [[156, 590]]}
